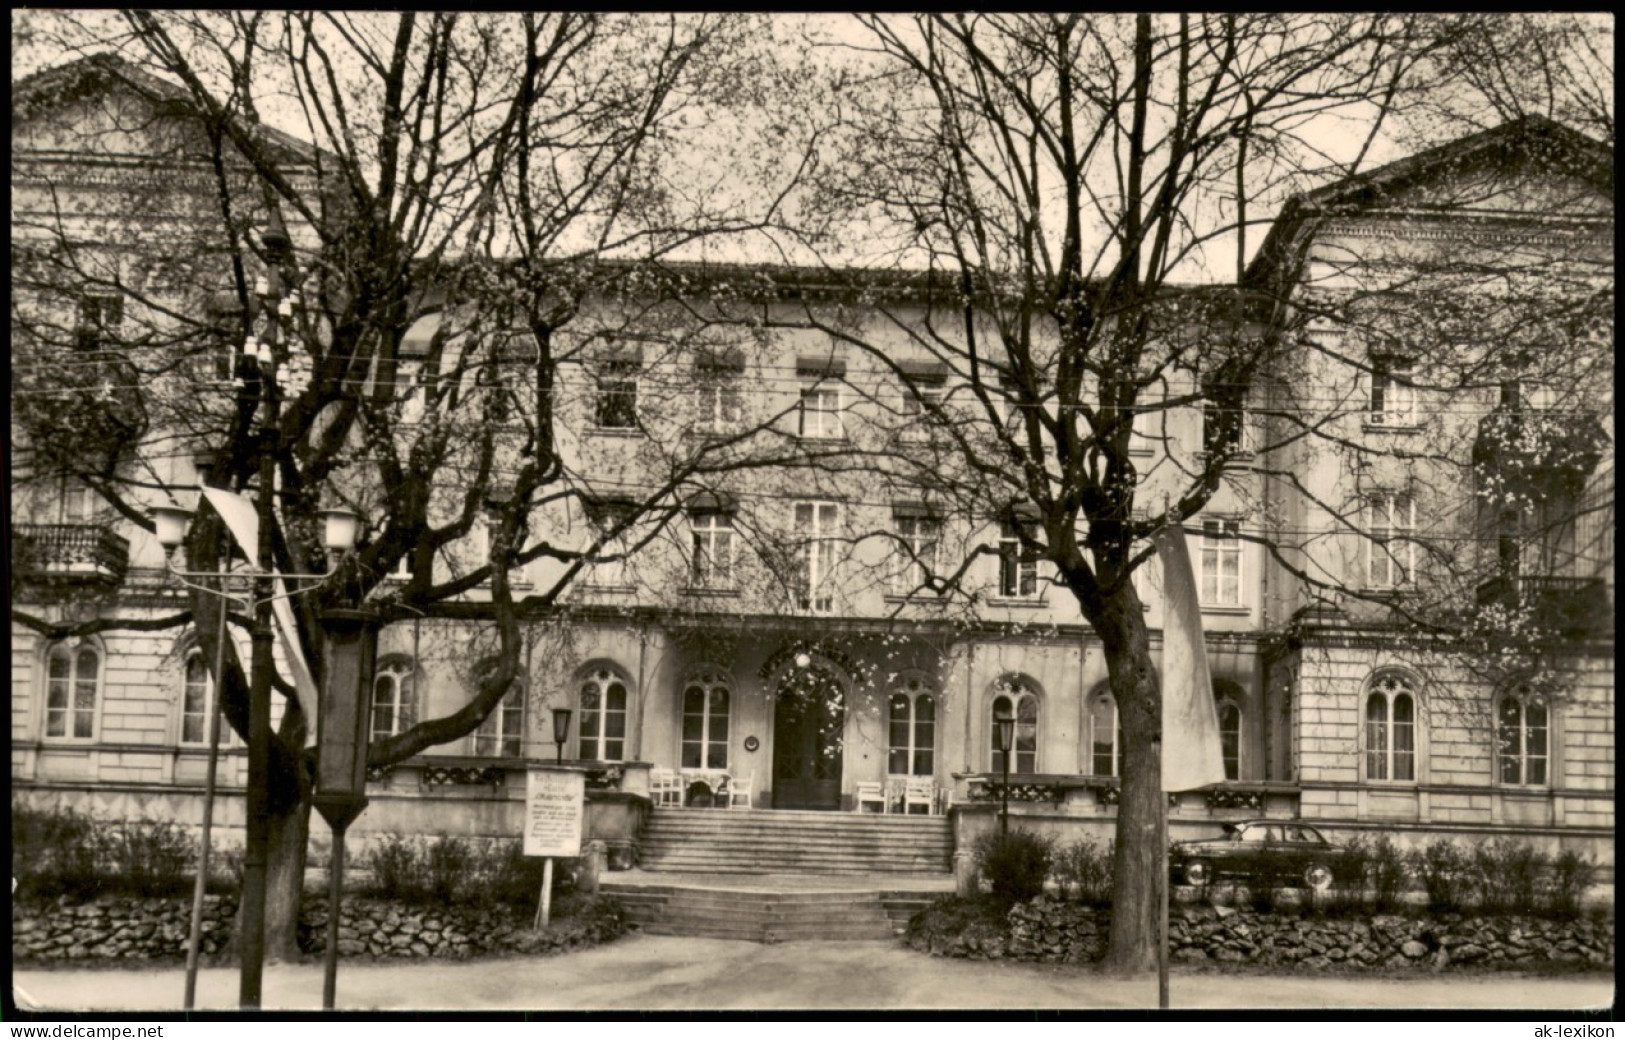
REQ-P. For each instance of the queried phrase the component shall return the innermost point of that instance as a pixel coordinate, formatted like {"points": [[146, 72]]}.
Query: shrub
{"points": [[63, 852], [1443, 870], [1083, 869], [1505, 875], [55, 853], [1016, 863], [446, 870], [1388, 874], [393, 863], [1571, 874]]}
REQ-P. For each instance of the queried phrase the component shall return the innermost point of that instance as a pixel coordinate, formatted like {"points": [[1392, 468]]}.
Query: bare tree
{"points": [[1045, 184], [477, 206]]}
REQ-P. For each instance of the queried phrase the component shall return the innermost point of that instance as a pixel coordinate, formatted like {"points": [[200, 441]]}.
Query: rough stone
{"points": [[1414, 949]]}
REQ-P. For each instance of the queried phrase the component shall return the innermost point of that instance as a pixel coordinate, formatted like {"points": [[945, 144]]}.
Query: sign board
{"points": [[553, 813]]}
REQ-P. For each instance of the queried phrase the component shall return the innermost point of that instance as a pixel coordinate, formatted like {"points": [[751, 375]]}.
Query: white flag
{"points": [[1191, 756], [244, 524]]}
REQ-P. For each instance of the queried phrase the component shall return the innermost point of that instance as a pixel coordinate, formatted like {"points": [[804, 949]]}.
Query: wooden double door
{"points": [[809, 714]]}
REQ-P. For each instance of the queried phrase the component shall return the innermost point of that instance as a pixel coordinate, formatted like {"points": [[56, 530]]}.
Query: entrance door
{"points": [[807, 718]]}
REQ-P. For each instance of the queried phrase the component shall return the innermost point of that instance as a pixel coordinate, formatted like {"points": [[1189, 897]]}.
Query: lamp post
{"points": [[341, 754], [561, 731], [1006, 725]]}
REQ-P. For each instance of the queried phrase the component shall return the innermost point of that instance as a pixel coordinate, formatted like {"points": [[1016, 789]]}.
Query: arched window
{"points": [[197, 700], [603, 716], [912, 730], [393, 709], [1390, 729], [72, 684], [705, 723], [1522, 746], [1230, 738], [1015, 697], [1106, 735]]}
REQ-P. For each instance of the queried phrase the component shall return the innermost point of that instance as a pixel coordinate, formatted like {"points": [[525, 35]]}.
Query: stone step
{"points": [[702, 863]]}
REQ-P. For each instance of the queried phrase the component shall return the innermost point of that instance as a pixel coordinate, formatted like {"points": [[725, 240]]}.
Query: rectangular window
{"points": [[101, 311], [1222, 429], [821, 411], [713, 550], [917, 538], [1393, 397], [1221, 563], [1018, 567], [1391, 555], [921, 399], [615, 406], [718, 404], [815, 524]]}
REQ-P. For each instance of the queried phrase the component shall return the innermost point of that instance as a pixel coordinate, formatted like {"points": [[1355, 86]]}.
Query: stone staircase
{"points": [[782, 876], [776, 841]]}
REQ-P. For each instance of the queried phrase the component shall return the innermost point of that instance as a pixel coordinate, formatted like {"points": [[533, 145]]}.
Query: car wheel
{"points": [[1318, 877], [1198, 872]]}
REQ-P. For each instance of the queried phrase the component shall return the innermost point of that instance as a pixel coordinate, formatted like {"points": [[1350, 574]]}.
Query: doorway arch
{"points": [[809, 714]]}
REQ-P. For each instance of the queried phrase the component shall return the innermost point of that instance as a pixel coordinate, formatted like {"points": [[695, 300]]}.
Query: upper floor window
{"points": [[705, 723], [911, 730], [1106, 735], [1015, 698], [1522, 747], [821, 411], [197, 700], [99, 315], [1221, 563], [1018, 565], [1222, 429], [602, 729], [615, 402], [76, 504], [923, 394], [918, 536], [1393, 395], [1390, 551], [393, 708], [815, 526], [610, 566], [72, 687], [1390, 729], [711, 561], [718, 403]]}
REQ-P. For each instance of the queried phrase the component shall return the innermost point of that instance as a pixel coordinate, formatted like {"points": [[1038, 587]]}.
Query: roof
{"points": [[1529, 137]]}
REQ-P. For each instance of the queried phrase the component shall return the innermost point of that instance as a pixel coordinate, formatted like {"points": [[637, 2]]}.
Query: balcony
{"points": [[1575, 607], [80, 555], [1541, 448]]}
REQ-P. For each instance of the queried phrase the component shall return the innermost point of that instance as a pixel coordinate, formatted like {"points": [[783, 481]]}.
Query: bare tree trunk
{"points": [[1131, 946], [284, 882]]}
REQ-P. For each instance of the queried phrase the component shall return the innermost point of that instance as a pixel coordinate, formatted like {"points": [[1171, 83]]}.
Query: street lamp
{"points": [[561, 730], [1006, 725]]}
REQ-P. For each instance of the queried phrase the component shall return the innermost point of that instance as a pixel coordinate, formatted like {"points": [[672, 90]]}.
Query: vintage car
{"points": [[1290, 852]]}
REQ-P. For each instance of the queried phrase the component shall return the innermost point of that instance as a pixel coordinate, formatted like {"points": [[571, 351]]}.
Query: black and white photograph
{"points": [[697, 513]]}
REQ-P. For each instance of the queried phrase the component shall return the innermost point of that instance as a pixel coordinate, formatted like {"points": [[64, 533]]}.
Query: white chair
{"points": [[665, 787], [871, 792], [921, 791], [739, 789]]}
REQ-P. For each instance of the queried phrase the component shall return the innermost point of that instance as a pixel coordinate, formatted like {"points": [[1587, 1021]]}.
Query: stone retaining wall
{"points": [[1047, 929], [156, 929]]}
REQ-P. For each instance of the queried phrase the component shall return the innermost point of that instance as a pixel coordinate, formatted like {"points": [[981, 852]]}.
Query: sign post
{"points": [[554, 801]]}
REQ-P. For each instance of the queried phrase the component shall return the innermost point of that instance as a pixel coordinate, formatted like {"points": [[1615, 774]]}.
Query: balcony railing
{"points": [[76, 554], [1575, 607]]}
